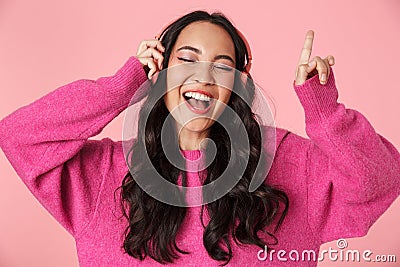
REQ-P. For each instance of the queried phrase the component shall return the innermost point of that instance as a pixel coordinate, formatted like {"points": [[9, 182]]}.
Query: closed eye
{"points": [[185, 59], [223, 67], [218, 66]]}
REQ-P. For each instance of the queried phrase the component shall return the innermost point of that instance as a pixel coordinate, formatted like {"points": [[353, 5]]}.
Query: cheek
{"points": [[224, 95], [225, 81], [223, 99], [171, 99], [168, 101]]}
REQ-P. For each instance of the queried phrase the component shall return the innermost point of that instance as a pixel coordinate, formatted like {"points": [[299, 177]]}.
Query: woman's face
{"points": [[200, 75]]}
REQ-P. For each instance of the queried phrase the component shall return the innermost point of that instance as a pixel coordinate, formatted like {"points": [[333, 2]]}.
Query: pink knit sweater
{"points": [[339, 181]]}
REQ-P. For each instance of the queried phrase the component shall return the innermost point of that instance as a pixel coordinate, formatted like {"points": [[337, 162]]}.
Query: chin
{"points": [[199, 125]]}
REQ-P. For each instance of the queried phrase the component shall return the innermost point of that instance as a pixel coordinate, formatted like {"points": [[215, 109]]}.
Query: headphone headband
{"points": [[247, 66]]}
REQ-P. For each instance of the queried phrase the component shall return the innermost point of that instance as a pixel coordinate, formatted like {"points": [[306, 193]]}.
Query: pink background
{"points": [[45, 44]]}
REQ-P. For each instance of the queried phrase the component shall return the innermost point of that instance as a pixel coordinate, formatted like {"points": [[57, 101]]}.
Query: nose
{"points": [[203, 73]]}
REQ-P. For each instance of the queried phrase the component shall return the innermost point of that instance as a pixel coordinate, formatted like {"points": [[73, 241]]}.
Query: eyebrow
{"points": [[197, 51]]}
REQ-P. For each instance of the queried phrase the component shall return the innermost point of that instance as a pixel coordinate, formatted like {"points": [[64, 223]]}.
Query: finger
{"points": [[149, 60], [328, 67], [301, 74], [328, 60], [160, 63], [307, 48], [152, 52], [331, 60], [150, 43], [322, 68], [303, 71], [152, 65], [155, 44], [141, 48], [160, 47]]}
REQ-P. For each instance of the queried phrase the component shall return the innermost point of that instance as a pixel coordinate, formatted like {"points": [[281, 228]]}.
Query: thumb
{"points": [[303, 71]]}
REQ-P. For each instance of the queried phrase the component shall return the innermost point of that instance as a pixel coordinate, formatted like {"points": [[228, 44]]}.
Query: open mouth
{"points": [[198, 101]]}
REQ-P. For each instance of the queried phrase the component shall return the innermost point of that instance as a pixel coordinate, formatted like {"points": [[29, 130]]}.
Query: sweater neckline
{"points": [[191, 154]]}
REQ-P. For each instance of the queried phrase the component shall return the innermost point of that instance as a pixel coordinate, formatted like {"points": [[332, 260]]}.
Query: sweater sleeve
{"points": [[353, 172], [47, 142]]}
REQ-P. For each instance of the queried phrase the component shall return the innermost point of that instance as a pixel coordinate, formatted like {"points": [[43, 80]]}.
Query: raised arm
{"points": [[47, 142], [353, 172]]}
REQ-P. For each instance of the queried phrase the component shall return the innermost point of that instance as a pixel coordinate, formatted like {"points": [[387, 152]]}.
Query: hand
{"points": [[150, 55], [307, 69]]}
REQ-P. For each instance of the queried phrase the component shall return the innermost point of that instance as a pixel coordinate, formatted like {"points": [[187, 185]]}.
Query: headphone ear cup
{"points": [[248, 67]]}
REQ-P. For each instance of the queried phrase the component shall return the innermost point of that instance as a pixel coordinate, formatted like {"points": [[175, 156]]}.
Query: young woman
{"points": [[334, 185]]}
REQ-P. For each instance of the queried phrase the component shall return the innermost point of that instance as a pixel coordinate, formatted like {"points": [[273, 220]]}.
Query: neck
{"points": [[190, 140]]}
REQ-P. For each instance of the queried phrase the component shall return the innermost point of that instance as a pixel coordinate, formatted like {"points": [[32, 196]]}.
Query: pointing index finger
{"points": [[307, 48]]}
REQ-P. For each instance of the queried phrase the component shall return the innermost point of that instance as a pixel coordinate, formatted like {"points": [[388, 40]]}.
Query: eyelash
{"points": [[224, 68], [185, 59], [218, 66]]}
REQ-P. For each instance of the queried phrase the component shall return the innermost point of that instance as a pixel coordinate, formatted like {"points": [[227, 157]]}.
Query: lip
{"points": [[199, 111], [199, 91]]}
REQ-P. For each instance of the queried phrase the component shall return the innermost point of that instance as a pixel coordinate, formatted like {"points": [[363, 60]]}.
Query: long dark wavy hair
{"points": [[240, 214]]}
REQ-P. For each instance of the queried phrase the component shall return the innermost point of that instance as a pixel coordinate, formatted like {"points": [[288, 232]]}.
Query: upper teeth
{"points": [[198, 96]]}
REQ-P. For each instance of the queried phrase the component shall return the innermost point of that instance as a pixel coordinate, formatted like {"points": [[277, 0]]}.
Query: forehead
{"points": [[208, 37]]}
